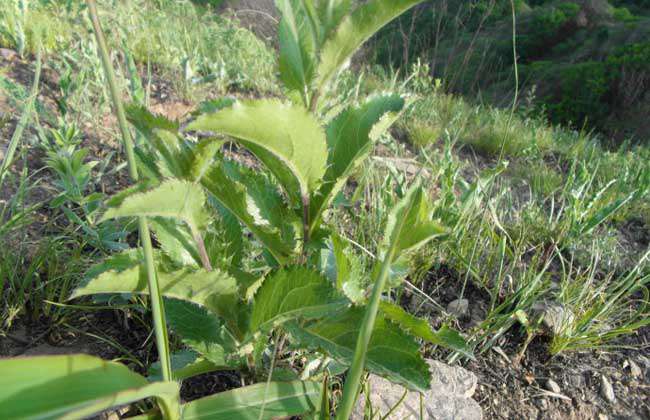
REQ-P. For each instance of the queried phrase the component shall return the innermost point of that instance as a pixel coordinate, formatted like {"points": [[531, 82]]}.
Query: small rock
{"points": [[552, 386], [602, 416], [543, 404], [449, 398], [555, 317], [8, 54], [606, 389], [459, 308], [635, 370]]}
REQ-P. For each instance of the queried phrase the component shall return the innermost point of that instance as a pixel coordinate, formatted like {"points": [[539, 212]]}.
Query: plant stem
{"points": [[353, 380], [305, 224], [157, 307]]}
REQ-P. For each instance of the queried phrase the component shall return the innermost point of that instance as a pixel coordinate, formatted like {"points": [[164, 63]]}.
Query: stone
{"points": [[606, 389], [635, 370], [552, 386], [555, 317], [459, 308], [450, 397], [8, 54]]}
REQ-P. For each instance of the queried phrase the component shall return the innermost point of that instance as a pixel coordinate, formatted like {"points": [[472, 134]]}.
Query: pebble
{"points": [[635, 370], [606, 389], [459, 308], [552, 386], [543, 404], [8, 54]]}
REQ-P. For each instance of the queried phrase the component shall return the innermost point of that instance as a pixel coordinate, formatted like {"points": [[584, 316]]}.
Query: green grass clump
{"points": [[495, 133]]}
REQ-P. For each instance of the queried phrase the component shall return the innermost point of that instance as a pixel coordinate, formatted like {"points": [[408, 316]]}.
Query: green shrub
{"points": [[581, 94], [623, 14], [545, 28]]}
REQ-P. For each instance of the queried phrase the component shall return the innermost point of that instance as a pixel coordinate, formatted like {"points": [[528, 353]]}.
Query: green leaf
{"points": [[410, 224], [297, 47], [257, 402], [162, 135], [391, 353], [185, 364], [350, 137], [291, 293], [353, 31], [174, 199], [117, 262], [202, 331], [176, 241], [203, 154], [256, 204], [286, 138], [213, 290], [445, 337], [330, 13], [72, 387]]}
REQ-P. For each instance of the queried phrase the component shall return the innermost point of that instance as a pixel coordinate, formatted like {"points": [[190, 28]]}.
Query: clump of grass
{"points": [[495, 133], [602, 307], [542, 179]]}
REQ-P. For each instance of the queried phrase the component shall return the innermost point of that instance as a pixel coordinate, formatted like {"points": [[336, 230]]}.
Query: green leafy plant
{"points": [[242, 250]]}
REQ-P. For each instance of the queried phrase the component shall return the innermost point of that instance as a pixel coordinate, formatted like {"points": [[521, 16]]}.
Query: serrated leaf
{"points": [[202, 158], [420, 328], [286, 138], [355, 29], [202, 331], [256, 204], [176, 241], [391, 353], [72, 387], [175, 199], [410, 224], [263, 401], [162, 135], [213, 290], [297, 47], [291, 293], [234, 235], [117, 262], [350, 137]]}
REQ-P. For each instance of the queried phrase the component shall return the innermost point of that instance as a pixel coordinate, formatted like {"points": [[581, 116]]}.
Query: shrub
{"points": [[581, 95]]}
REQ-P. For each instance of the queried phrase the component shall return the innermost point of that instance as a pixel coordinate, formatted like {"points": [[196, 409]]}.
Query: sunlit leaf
{"points": [[174, 199], [213, 290], [350, 137], [256, 204], [257, 402], [297, 46], [293, 293], [355, 29], [286, 138], [410, 224], [73, 387], [420, 328], [392, 353]]}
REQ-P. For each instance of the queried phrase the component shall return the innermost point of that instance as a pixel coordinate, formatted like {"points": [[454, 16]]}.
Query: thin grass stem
{"points": [[157, 307]]}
